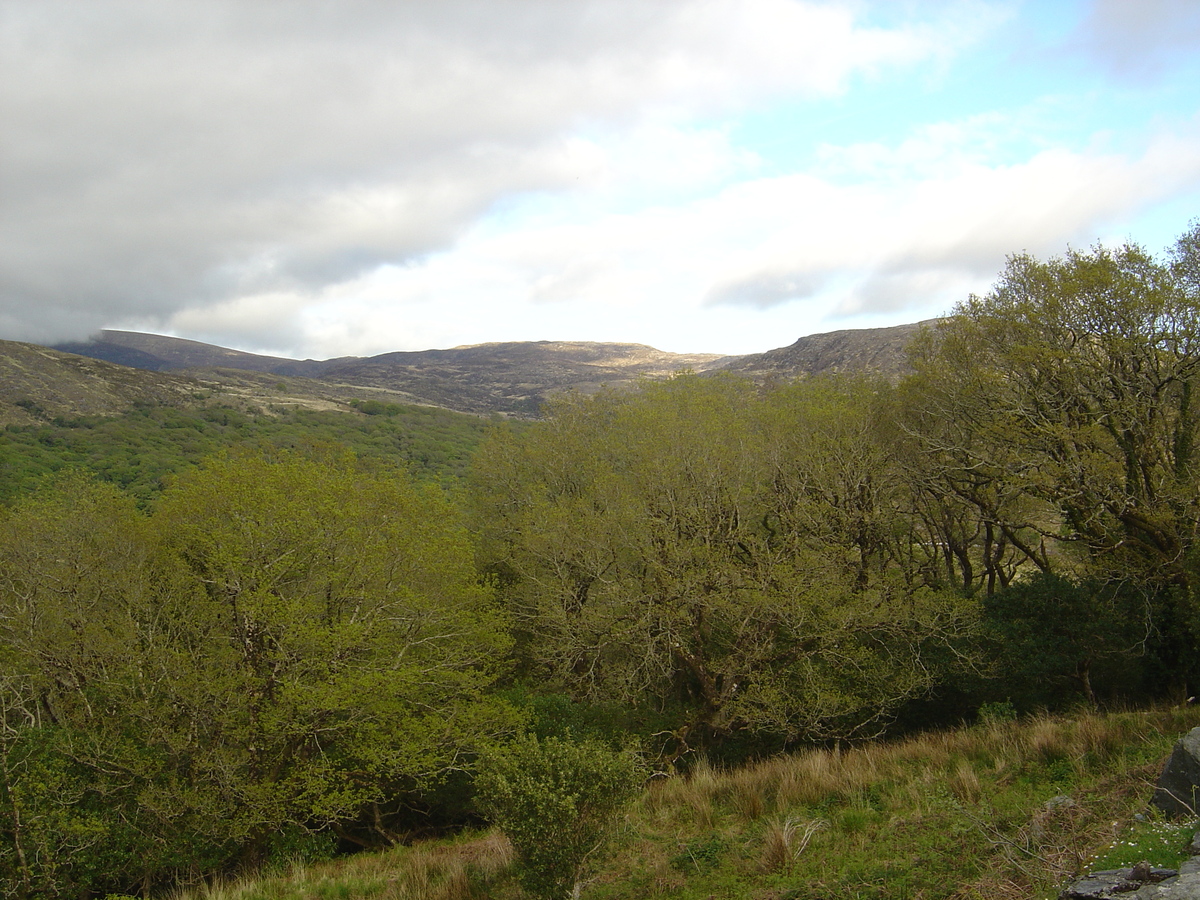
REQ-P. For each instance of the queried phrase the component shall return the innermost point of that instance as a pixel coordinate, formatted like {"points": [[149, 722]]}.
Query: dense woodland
{"points": [[227, 638]]}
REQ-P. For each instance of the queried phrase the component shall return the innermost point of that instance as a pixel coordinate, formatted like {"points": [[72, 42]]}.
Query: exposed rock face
{"points": [[1178, 790]]}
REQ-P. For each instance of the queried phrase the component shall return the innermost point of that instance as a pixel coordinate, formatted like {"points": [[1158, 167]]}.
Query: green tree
{"points": [[557, 801], [1060, 406], [671, 547], [353, 643], [287, 642], [1055, 637]]}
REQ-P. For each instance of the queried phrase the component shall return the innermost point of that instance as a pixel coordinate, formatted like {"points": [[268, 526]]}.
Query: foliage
{"points": [[556, 801], [1059, 407], [1054, 635], [288, 640], [742, 559], [139, 449]]}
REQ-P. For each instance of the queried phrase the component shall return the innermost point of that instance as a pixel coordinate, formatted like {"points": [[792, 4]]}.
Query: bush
{"points": [[556, 800]]}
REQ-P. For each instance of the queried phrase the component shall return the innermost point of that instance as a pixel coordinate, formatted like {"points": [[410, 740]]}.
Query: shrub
{"points": [[556, 800]]}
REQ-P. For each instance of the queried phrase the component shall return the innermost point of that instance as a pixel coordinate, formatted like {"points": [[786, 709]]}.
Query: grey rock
{"points": [[1185, 887], [1178, 791], [1139, 882]]}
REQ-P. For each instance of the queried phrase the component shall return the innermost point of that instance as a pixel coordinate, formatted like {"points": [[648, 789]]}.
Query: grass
{"points": [[1005, 809], [1162, 844]]}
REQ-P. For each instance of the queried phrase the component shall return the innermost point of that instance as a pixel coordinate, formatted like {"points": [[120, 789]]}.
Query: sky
{"points": [[322, 178]]}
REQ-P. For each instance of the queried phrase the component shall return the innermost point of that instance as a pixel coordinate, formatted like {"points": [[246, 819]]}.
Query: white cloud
{"points": [[164, 158], [761, 260]]}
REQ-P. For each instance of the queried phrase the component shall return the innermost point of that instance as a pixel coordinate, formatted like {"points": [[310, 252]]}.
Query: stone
{"points": [[1142, 882], [1177, 794]]}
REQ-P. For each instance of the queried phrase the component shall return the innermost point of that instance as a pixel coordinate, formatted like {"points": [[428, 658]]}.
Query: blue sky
{"points": [[320, 179]]}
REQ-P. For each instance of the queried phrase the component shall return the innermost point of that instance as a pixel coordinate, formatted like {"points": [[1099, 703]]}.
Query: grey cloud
{"points": [[762, 290], [1140, 40], [162, 156]]}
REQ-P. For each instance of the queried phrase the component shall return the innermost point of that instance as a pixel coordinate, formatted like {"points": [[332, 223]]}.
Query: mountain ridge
{"points": [[513, 378]]}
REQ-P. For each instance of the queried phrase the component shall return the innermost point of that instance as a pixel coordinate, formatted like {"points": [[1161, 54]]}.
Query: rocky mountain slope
{"points": [[879, 350], [505, 378]]}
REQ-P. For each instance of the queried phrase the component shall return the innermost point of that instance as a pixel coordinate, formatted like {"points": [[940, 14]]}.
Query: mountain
{"points": [[878, 350], [160, 353], [507, 378], [38, 383], [514, 378]]}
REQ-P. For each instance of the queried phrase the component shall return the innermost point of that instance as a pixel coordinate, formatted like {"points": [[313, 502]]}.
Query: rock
{"points": [[1178, 791], [1142, 881], [1185, 887]]}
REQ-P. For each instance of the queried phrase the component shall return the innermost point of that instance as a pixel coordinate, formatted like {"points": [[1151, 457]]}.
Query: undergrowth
{"points": [[1003, 809]]}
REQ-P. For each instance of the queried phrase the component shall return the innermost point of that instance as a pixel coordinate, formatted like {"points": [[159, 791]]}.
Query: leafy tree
{"points": [[1060, 406], [1052, 632], [670, 546], [557, 801], [288, 641]]}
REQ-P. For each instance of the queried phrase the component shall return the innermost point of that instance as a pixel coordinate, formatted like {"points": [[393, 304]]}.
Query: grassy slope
{"points": [[1000, 810]]}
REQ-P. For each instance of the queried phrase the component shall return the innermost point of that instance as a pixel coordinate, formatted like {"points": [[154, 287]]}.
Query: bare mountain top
{"points": [[877, 350], [513, 378], [161, 353]]}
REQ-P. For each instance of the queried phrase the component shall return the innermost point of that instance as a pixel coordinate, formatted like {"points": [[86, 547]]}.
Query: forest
{"points": [[273, 643]]}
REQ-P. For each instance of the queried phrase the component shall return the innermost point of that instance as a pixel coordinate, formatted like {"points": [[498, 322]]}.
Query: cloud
{"points": [[164, 159], [919, 237], [765, 289], [1140, 40]]}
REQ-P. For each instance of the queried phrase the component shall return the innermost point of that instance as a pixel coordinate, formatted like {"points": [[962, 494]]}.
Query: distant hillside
{"points": [[37, 384], [877, 350], [514, 378], [508, 378], [160, 353]]}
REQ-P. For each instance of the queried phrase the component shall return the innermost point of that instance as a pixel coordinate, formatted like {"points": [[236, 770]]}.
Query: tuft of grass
{"points": [[785, 840]]}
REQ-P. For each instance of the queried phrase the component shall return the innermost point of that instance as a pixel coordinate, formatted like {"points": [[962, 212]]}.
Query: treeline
{"points": [[292, 648], [137, 450]]}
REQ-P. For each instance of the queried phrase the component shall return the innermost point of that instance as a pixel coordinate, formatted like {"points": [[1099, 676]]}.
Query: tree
{"points": [[669, 546], [1052, 633], [290, 640], [1060, 405], [557, 801], [352, 639]]}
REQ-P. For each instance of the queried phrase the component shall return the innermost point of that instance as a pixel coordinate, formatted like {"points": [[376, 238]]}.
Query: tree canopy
{"points": [[728, 557], [285, 642]]}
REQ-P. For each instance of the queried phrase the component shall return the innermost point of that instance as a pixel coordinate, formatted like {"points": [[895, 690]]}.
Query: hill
{"points": [[879, 350], [513, 378], [38, 384]]}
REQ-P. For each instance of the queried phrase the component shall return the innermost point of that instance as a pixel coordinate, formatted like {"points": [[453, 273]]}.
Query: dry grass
{"points": [[433, 871], [999, 810], [785, 840]]}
